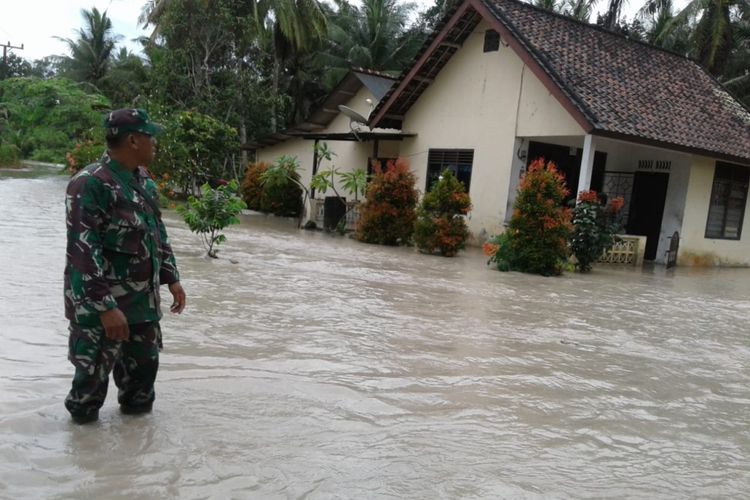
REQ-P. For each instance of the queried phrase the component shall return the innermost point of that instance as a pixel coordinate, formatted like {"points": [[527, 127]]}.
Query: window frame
{"points": [[442, 163], [733, 174]]}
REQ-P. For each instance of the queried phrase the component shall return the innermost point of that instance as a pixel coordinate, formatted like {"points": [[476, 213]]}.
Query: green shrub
{"points": [[282, 188], [594, 228], [212, 212], [498, 249], [388, 213], [10, 155], [83, 154], [440, 226]]}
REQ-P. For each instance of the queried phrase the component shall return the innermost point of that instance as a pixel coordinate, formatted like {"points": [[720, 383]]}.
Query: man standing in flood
{"points": [[118, 255]]}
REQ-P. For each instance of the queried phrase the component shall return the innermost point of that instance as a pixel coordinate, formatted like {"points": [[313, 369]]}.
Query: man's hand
{"points": [[178, 295], [115, 325]]}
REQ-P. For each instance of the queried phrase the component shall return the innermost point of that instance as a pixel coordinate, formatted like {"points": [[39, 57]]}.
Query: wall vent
{"points": [[491, 41]]}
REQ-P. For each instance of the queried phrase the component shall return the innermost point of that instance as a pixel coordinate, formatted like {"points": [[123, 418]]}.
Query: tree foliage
{"points": [[44, 119], [376, 35], [195, 148]]}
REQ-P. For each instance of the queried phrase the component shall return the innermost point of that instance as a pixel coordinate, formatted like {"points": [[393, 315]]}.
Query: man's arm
{"points": [[86, 204], [168, 273]]}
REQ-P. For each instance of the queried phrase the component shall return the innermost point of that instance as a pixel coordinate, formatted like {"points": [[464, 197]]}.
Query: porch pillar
{"points": [[587, 164], [314, 167]]}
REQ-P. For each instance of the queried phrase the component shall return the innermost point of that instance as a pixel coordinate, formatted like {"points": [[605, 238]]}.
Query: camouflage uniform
{"points": [[118, 255]]}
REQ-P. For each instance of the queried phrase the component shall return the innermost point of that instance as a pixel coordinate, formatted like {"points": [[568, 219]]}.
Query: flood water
{"points": [[313, 366]]}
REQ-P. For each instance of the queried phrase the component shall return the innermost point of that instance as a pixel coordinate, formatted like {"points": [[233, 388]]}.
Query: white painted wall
{"points": [[540, 114], [695, 248]]}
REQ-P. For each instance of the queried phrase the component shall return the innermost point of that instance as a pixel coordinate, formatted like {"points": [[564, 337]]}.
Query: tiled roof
{"points": [[630, 88], [624, 89]]}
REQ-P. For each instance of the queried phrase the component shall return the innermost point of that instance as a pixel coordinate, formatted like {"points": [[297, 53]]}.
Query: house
{"points": [[500, 83]]}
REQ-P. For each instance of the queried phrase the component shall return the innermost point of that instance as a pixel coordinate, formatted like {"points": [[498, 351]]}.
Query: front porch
{"points": [[652, 181]]}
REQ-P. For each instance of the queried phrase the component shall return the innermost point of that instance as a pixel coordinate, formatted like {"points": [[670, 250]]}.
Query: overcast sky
{"points": [[35, 23]]}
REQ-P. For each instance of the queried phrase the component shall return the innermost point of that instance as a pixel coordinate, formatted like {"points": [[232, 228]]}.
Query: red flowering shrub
{"points": [[252, 187], [440, 226], [536, 240], [388, 213], [83, 154]]}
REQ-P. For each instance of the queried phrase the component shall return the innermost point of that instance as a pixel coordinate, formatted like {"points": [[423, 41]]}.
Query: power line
{"points": [[6, 47]]}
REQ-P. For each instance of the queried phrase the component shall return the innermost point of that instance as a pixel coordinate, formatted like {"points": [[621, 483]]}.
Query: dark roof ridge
{"points": [[595, 27], [373, 72]]}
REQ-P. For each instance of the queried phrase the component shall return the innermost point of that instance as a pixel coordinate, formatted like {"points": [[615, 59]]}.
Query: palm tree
{"points": [[737, 70], [579, 9], [290, 29], [710, 21], [661, 30], [376, 36], [550, 5], [612, 16], [91, 53]]}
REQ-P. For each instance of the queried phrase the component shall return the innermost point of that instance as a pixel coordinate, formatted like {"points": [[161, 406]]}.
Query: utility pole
{"points": [[7, 46]]}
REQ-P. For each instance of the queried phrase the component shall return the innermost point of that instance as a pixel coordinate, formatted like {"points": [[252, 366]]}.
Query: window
{"points": [[728, 199], [491, 41], [458, 161]]}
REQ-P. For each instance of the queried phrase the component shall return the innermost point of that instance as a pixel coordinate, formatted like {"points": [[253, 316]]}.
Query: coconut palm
{"points": [[579, 9], [661, 29], [376, 36], [710, 21], [612, 15], [551, 5], [91, 53]]}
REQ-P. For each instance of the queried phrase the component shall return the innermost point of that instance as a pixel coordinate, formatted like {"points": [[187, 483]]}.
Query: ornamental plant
{"points": [[213, 211], [84, 153], [388, 213], [355, 182], [440, 226], [282, 188], [536, 240], [594, 228], [252, 186]]}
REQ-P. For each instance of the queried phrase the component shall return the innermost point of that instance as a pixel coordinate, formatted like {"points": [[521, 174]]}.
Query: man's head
{"points": [[130, 136]]}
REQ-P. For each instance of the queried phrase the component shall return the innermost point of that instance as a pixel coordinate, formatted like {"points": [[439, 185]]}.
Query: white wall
{"points": [[695, 248]]}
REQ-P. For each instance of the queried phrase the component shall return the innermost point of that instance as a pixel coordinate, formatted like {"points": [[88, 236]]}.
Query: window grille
{"points": [[457, 161]]}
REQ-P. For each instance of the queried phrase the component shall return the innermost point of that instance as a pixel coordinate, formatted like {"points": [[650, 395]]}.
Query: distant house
{"points": [[501, 83]]}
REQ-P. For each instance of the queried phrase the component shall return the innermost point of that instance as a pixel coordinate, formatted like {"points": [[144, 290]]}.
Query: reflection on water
{"points": [[319, 367]]}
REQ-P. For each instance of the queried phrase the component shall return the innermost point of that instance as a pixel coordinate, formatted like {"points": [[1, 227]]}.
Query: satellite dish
{"points": [[353, 115]]}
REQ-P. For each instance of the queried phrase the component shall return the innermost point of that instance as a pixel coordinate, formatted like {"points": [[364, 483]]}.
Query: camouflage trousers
{"points": [[135, 363]]}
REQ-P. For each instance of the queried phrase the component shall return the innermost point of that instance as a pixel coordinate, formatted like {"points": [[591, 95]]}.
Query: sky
{"points": [[35, 23]]}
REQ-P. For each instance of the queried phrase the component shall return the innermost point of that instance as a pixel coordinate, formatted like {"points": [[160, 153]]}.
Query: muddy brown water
{"points": [[319, 367]]}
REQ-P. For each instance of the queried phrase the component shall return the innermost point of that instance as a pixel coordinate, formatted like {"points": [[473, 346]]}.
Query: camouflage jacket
{"points": [[118, 252]]}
